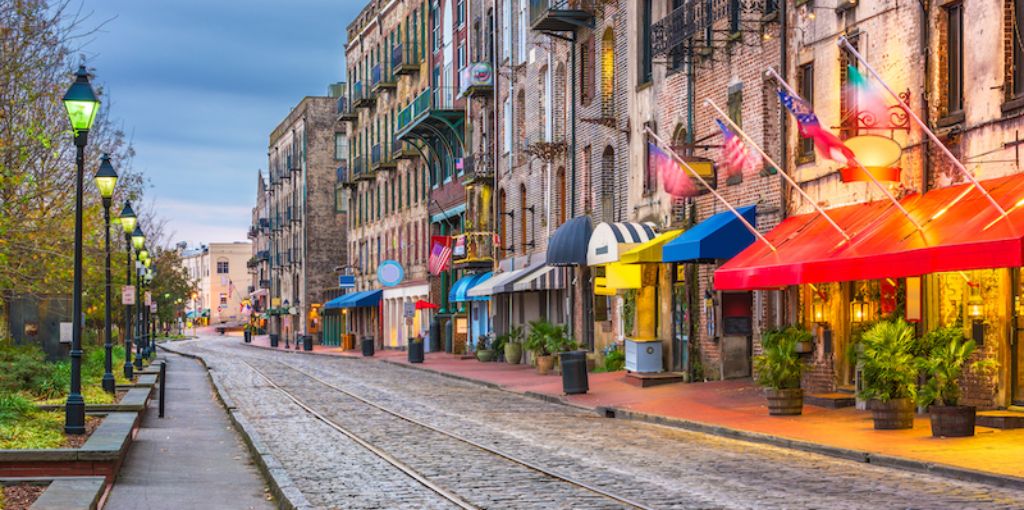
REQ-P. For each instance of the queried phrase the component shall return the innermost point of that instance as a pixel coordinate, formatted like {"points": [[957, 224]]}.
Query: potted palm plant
{"points": [[514, 345], [537, 344], [942, 366], [889, 370], [779, 369]]}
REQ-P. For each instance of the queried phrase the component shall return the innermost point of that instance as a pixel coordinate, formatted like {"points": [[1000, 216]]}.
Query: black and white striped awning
{"points": [[607, 239]]}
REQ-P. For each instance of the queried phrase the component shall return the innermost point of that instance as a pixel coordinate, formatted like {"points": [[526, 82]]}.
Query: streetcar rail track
{"points": [[410, 471]]}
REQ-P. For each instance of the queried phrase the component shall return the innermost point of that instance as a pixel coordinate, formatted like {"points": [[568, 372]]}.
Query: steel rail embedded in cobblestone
{"points": [[405, 468], [493, 451]]}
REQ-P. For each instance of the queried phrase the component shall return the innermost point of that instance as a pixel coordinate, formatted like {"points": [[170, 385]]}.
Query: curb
{"points": [[288, 496], [878, 459]]}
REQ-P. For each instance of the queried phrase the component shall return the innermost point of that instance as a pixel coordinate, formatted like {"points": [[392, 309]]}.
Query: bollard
{"points": [[163, 386]]}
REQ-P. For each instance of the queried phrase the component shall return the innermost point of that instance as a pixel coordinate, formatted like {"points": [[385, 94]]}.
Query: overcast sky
{"points": [[199, 85]]}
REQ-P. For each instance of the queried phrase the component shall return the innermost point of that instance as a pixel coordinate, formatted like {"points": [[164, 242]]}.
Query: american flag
{"points": [[826, 143], [736, 158], [440, 254]]}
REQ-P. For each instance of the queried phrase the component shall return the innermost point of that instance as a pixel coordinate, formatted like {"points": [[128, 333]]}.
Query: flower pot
{"points": [[785, 402], [513, 353], [545, 364], [894, 414], [952, 421], [484, 355]]}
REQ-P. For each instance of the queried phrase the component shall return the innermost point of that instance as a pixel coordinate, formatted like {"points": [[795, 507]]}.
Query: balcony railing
{"points": [[403, 150], [561, 15], [361, 97], [345, 110], [360, 169], [263, 255], [476, 79], [473, 248], [341, 173], [380, 158], [403, 60], [264, 223], [379, 79], [412, 113], [264, 284], [683, 28]]}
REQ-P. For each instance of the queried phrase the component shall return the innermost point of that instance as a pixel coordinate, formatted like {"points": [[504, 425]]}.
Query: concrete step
{"points": [[835, 400], [646, 380], [1000, 419]]}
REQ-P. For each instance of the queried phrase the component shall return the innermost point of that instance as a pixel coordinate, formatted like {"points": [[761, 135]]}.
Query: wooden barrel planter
{"points": [[952, 421], [788, 402], [894, 414]]}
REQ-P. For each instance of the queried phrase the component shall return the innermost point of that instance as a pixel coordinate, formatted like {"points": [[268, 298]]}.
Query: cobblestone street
{"points": [[654, 466]]}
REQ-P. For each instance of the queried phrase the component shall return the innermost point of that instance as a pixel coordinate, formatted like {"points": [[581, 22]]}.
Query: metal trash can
{"points": [[307, 342], [247, 336], [415, 351], [274, 340], [574, 372], [435, 334], [367, 346]]}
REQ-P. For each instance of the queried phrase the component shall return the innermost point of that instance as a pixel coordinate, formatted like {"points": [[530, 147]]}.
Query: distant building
{"points": [[218, 271]]}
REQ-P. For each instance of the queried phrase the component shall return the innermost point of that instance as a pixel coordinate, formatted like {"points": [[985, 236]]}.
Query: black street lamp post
{"points": [[129, 222], [140, 254], [106, 179], [81, 104]]}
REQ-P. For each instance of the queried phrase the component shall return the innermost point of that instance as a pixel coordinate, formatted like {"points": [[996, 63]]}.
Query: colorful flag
{"points": [[826, 143], [736, 158], [870, 104], [675, 179], [440, 254]]}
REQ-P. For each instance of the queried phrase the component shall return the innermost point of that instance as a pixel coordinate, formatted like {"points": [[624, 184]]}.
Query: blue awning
{"points": [[457, 294], [721, 236], [335, 303], [568, 245], [355, 300]]}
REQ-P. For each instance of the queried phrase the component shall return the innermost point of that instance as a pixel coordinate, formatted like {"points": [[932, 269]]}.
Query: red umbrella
{"points": [[426, 305]]}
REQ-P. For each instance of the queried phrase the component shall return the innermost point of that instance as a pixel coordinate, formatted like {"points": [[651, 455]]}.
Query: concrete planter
{"points": [[513, 353], [77, 493]]}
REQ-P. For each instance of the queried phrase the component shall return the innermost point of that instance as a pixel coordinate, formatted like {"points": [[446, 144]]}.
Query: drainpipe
{"points": [[926, 169], [572, 194], [783, 130]]}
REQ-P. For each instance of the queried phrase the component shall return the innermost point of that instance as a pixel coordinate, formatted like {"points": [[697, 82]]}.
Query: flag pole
{"points": [[768, 158], [871, 176], [843, 43], [687, 166]]}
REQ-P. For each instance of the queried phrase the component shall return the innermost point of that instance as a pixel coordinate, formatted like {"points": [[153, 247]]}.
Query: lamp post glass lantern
{"points": [[106, 180], [81, 104], [129, 222]]}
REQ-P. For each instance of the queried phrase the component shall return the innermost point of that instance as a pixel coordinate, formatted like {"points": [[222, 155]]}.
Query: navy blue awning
{"points": [[336, 302], [568, 245], [457, 294], [721, 236], [355, 300]]}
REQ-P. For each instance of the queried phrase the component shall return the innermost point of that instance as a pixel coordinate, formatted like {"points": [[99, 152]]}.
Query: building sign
{"points": [[390, 273], [410, 310], [346, 281], [128, 295], [478, 75], [148, 298], [459, 251], [152, 307]]}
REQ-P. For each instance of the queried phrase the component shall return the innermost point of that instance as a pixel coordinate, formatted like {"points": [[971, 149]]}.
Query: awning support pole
{"points": [[732, 209], [843, 43], [768, 158], [878, 184]]}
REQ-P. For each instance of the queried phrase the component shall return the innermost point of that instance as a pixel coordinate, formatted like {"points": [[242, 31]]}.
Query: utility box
{"points": [[643, 356]]}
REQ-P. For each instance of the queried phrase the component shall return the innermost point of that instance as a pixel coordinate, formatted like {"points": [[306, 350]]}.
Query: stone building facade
{"points": [[218, 271], [259, 263]]}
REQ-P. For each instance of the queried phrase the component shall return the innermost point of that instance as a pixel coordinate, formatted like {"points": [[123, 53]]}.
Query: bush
{"points": [[888, 361], [614, 361], [14, 406]]}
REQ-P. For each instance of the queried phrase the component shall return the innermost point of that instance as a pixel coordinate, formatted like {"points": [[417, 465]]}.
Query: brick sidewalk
{"points": [[737, 408]]}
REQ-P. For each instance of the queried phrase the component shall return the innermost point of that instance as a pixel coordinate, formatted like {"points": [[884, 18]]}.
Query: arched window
{"points": [[502, 230], [560, 182], [522, 218], [608, 73], [608, 206]]}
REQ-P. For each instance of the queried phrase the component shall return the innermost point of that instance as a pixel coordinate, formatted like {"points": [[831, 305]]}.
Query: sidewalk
{"points": [[191, 458], [737, 408]]}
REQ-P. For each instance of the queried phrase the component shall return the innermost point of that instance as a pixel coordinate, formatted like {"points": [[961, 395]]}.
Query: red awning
{"points": [[885, 244], [426, 305]]}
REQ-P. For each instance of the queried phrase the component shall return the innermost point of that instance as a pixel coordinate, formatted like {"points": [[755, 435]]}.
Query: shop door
{"points": [[1017, 341], [737, 334]]}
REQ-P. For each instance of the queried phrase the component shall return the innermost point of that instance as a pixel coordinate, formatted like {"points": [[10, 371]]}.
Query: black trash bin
{"points": [[274, 340], [435, 334], [415, 351], [574, 372], [307, 342], [367, 346]]}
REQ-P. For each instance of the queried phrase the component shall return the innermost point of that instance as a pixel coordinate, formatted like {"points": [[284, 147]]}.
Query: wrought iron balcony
{"points": [[476, 79], [264, 284], [380, 158], [403, 150], [345, 110], [264, 224], [361, 98], [379, 79], [685, 30], [404, 60], [294, 163], [263, 255], [473, 249], [561, 15], [360, 170], [252, 232]]}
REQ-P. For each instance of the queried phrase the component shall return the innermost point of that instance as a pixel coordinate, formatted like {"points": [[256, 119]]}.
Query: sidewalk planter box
{"points": [[415, 352], [367, 347], [894, 414], [274, 340], [952, 421], [787, 402], [64, 493], [574, 372]]}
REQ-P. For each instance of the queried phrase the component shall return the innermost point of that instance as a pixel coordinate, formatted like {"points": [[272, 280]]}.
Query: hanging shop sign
{"points": [[346, 281], [128, 295], [390, 273], [148, 298]]}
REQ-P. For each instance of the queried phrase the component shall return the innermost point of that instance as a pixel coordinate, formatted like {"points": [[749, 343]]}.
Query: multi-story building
{"points": [[389, 172], [219, 273], [307, 228], [259, 264]]}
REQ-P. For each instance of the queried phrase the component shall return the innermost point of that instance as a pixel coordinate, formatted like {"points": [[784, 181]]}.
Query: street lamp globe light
{"points": [[105, 178], [128, 218], [138, 238], [81, 102], [147, 262], [143, 255]]}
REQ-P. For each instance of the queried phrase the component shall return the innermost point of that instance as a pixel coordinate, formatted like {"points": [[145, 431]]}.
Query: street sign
{"points": [[128, 295], [390, 273], [346, 281], [66, 332], [148, 298], [152, 307], [410, 310]]}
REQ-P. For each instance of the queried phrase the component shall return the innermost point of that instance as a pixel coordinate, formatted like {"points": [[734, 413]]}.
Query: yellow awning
{"points": [[622, 276], [649, 251]]}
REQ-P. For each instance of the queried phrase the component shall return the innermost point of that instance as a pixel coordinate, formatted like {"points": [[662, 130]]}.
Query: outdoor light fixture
{"points": [[105, 178], [143, 254], [878, 154], [138, 238], [818, 306], [975, 306], [146, 262], [81, 102], [860, 308], [128, 218]]}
